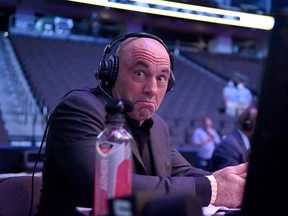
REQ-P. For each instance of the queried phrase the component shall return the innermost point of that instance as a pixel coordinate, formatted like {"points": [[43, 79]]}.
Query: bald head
{"points": [[128, 47]]}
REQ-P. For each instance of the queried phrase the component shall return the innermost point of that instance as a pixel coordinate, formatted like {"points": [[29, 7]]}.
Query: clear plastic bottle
{"points": [[113, 165]]}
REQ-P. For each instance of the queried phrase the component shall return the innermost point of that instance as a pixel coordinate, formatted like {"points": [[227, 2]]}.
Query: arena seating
{"points": [[227, 66], [55, 66], [4, 139]]}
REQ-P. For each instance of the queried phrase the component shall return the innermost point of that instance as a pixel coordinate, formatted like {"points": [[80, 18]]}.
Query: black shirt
{"points": [[141, 134]]}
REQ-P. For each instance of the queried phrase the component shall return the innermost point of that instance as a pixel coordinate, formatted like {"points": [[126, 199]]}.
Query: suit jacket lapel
{"points": [[157, 152], [136, 153], [244, 151], [157, 149]]}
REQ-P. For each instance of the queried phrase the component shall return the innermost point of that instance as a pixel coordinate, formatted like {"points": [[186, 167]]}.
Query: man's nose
{"points": [[150, 86]]}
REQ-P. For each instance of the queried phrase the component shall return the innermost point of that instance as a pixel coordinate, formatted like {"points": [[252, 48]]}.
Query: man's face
{"points": [[144, 70]]}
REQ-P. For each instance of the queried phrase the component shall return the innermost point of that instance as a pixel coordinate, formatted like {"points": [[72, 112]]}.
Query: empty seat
{"points": [[16, 195]]}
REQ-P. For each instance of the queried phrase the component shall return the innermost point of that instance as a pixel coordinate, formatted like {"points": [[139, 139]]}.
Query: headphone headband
{"points": [[108, 69], [123, 37]]}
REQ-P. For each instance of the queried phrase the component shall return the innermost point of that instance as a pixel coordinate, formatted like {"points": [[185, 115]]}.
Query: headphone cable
{"points": [[35, 167], [105, 92]]}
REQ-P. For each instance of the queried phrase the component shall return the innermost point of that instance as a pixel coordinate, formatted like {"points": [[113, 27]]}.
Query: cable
{"points": [[106, 93], [35, 166]]}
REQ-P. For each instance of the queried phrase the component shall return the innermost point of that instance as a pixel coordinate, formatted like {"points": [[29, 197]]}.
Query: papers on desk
{"points": [[212, 210], [84, 211]]}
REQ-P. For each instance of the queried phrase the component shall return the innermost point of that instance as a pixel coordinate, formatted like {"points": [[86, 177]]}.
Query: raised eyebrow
{"points": [[166, 71], [144, 64]]}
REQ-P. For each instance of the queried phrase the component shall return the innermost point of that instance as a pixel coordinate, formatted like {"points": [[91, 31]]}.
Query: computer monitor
{"points": [[266, 191]]}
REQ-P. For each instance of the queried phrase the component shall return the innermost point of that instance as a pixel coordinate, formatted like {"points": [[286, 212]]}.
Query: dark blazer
{"points": [[68, 173], [231, 151]]}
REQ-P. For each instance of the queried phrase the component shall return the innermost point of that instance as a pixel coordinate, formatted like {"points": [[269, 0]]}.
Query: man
{"points": [[235, 147], [142, 73], [205, 138]]}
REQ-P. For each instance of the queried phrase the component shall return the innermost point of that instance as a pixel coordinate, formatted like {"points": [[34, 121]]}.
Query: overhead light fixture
{"points": [[190, 12]]}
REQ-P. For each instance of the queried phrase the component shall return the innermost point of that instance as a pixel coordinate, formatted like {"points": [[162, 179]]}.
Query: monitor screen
{"points": [[267, 184]]}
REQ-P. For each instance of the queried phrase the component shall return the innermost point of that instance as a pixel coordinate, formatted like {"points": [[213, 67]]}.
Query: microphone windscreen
{"points": [[119, 106], [128, 105]]}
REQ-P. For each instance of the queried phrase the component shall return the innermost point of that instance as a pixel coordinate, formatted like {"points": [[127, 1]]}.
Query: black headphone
{"points": [[247, 123], [108, 69]]}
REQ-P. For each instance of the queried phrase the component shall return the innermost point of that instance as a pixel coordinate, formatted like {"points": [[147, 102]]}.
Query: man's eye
{"points": [[140, 73], [161, 78]]}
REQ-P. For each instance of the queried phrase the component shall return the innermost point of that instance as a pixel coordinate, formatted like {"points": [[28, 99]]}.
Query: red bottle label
{"points": [[113, 174]]}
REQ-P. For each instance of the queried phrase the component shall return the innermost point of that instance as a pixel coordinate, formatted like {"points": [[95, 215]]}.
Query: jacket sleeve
{"points": [[198, 187], [70, 149]]}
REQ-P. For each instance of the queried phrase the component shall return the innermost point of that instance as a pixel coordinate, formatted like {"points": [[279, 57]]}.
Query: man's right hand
{"points": [[230, 185]]}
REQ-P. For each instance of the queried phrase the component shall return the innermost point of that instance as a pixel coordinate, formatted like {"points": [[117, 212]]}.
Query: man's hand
{"points": [[230, 185]]}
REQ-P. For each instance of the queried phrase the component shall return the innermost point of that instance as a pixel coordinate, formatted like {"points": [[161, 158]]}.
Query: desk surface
{"points": [[207, 211]]}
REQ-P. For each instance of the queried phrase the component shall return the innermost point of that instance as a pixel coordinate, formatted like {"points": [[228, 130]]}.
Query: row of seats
{"points": [[55, 66], [250, 70], [4, 138]]}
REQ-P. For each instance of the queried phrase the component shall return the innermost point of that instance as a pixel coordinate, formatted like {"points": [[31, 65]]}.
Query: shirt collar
{"points": [[133, 123], [245, 139]]}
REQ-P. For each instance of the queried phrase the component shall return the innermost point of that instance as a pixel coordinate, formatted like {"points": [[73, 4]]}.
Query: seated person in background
{"points": [[205, 139], [234, 149], [143, 76], [230, 94], [244, 97]]}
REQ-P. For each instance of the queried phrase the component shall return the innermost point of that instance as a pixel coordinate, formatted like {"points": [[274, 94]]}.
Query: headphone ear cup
{"points": [[102, 72], [171, 81], [108, 71], [114, 67]]}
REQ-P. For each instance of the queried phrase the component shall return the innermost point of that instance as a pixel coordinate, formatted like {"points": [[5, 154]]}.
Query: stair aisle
{"points": [[22, 118]]}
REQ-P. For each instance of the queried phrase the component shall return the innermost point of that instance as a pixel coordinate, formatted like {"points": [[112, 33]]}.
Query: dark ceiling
{"points": [[172, 25]]}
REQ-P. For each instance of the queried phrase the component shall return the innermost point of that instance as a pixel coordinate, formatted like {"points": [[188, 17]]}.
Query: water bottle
{"points": [[113, 165]]}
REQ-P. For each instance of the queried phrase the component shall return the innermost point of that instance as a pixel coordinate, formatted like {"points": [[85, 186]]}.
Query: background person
{"points": [[205, 138], [235, 148], [230, 95], [244, 97]]}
